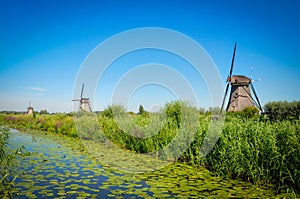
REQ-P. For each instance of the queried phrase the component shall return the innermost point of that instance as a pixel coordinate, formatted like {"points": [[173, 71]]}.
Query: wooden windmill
{"points": [[84, 103], [30, 109], [240, 94]]}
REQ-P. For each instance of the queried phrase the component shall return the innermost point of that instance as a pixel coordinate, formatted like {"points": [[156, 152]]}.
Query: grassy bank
{"points": [[251, 148]]}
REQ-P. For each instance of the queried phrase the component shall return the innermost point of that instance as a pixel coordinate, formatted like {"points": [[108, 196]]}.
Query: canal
{"points": [[55, 166]]}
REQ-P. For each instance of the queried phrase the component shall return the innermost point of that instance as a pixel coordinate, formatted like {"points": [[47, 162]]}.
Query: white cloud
{"points": [[36, 88]]}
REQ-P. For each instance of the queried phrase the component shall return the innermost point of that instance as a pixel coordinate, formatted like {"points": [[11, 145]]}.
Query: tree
{"points": [[141, 109], [43, 112]]}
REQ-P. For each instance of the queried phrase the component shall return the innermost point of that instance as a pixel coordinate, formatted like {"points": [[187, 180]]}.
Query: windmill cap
{"points": [[240, 79]]}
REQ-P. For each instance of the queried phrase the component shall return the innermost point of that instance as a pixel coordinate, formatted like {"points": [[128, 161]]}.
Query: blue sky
{"points": [[44, 43]]}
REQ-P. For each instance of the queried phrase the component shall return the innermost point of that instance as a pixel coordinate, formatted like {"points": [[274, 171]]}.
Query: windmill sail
{"points": [[229, 77], [255, 94]]}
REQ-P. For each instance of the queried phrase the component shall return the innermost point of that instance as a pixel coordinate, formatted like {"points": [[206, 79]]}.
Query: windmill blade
{"points": [[81, 91], [226, 91], [251, 71], [254, 92], [229, 77], [232, 61], [256, 80]]}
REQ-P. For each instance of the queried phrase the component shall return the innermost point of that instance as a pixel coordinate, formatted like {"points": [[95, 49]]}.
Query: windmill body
{"points": [[30, 110], [84, 103], [240, 94]]}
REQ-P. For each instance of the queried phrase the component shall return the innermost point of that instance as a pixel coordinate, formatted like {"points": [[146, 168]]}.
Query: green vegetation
{"points": [[260, 152], [264, 150], [58, 123], [283, 110], [141, 109], [7, 158]]}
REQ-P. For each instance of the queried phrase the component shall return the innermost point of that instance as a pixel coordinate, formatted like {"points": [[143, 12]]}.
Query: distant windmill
{"points": [[30, 109], [84, 103], [240, 94]]}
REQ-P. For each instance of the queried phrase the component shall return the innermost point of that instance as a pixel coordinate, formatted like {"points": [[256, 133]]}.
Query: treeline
{"points": [[277, 110], [282, 110]]}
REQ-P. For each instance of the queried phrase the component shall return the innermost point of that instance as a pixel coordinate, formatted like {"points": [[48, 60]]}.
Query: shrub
{"points": [[173, 112], [248, 112]]}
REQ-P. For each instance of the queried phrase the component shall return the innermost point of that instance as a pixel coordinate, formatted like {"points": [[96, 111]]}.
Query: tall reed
{"points": [[7, 176], [261, 152]]}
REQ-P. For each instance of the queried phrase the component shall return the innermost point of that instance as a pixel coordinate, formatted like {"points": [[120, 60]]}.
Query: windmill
{"points": [[240, 94], [29, 109], [84, 103]]}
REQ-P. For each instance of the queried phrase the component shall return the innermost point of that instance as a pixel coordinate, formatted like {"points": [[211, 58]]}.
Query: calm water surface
{"points": [[58, 167]]}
